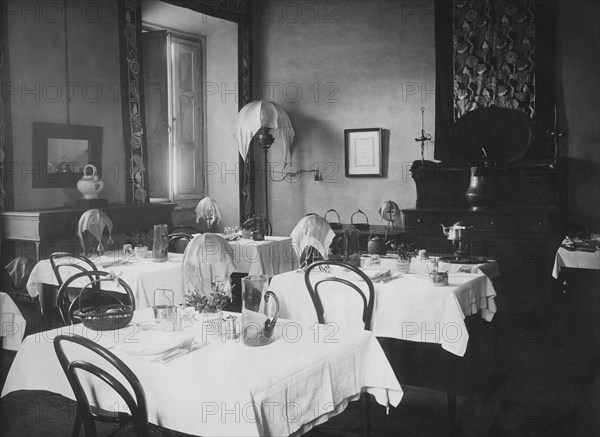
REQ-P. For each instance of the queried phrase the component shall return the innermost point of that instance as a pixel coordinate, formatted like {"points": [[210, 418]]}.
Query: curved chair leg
{"points": [[77, 424]]}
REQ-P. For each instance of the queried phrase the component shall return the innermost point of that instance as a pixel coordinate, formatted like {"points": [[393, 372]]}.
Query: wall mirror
{"points": [[60, 151]]}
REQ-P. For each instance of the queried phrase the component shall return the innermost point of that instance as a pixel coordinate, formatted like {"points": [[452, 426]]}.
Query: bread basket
{"points": [[106, 317]]}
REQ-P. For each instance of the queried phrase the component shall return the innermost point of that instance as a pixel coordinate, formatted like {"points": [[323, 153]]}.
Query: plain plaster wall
{"points": [[221, 166], [38, 71], [344, 65]]}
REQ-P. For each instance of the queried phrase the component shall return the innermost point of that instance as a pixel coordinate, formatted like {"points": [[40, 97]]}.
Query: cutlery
{"points": [[390, 278], [184, 345], [182, 352]]}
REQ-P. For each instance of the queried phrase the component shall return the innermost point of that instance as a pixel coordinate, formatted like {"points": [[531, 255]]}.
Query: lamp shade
{"points": [[259, 114]]}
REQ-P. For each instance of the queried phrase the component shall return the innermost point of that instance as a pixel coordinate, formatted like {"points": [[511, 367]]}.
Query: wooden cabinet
{"points": [[390, 235], [36, 234], [522, 229], [523, 240]]}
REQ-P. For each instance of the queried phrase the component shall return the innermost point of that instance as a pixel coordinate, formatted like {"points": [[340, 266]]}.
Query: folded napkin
{"points": [[377, 275]]}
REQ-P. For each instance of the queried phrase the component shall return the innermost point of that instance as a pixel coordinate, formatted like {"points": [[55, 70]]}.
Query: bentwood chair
{"points": [[178, 241], [63, 264], [134, 423], [68, 302], [313, 284], [63, 260]]}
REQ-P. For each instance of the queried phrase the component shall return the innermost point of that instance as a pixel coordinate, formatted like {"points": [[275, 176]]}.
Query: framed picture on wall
{"points": [[363, 152]]}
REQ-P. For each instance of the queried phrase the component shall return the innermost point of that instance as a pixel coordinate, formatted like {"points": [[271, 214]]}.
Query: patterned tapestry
{"points": [[133, 123], [494, 48]]}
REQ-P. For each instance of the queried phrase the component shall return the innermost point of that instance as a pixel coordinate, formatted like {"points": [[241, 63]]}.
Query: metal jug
{"points": [[377, 245], [257, 325], [346, 247]]}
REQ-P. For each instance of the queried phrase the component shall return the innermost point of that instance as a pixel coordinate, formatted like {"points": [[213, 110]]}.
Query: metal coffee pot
{"points": [[456, 232]]}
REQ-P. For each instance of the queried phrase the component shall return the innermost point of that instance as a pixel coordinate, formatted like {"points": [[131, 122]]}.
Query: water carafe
{"points": [[160, 245], [258, 317]]}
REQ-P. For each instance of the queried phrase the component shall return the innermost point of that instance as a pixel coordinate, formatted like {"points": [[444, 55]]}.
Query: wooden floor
{"points": [[541, 382]]}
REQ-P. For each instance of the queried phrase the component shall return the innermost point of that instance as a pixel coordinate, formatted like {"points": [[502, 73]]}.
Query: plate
{"points": [[152, 342]]}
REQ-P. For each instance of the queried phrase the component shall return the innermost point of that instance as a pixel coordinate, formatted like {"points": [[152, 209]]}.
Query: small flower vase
{"points": [[211, 322], [403, 265]]}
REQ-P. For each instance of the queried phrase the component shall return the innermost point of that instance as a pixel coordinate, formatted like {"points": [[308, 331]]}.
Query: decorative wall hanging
{"points": [[4, 103], [133, 116], [247, 189], [494, 55]]}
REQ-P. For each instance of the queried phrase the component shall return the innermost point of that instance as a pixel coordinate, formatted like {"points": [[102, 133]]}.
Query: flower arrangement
{"points": [[140, 239], [213, 303], [406, 251]]}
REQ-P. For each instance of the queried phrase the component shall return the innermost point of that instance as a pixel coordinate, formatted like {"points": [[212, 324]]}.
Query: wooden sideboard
{"points": [[35, 234], [522, 229]]}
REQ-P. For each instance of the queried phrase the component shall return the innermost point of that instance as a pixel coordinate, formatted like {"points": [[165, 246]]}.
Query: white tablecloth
{"points": [[12, 323], [141, 274], [272, 256], [308, 374], [576, 260], [490, 268], [407, 308]]}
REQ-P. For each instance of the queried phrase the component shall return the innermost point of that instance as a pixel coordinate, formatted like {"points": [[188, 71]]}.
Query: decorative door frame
{"points": [[132, 91]]}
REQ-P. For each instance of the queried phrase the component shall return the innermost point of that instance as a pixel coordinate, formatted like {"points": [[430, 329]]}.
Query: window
{"points": [[173, 66]]}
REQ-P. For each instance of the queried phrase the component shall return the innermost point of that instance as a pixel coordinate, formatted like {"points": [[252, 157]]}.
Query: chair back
{"points": [[356, 275], [207, 259], [312, 230], [64, 260], [67, 303], [187, 229], [178, 241], [134, 397]]}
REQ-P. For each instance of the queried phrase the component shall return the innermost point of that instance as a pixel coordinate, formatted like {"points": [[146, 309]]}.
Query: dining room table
{"points": [[271, 256], [306, 375], [407, 305], [141, 273], [12, 323]]}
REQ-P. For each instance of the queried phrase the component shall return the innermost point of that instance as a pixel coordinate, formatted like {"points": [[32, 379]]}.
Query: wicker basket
{"points": [[334, 225], [105, 317], [360, 226]]}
